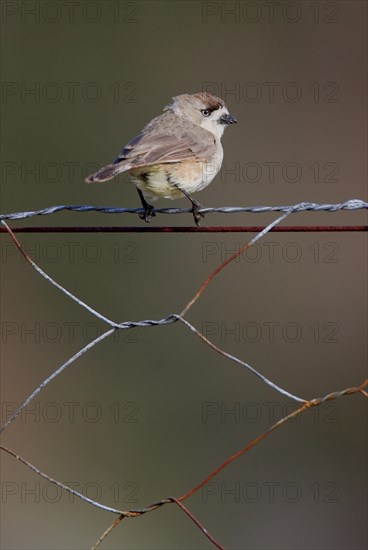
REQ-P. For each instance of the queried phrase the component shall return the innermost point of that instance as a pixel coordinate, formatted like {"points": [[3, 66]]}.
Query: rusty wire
{"points": [[305, 404]]}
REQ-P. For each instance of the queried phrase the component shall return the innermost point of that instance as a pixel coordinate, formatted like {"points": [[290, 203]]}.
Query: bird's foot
{"points": [[148, 213], [196, 206]]}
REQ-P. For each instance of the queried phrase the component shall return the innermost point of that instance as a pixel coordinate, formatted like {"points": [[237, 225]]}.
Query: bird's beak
{"points": [[227, 119]]}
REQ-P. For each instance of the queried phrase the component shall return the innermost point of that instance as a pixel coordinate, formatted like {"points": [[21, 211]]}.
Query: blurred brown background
{"points": [[151, 412]]}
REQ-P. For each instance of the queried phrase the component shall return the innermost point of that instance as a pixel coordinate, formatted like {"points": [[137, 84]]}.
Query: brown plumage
{"points": [[172, 153]]}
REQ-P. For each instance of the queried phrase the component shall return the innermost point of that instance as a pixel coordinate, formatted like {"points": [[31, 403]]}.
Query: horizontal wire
{"points": [[189, 229], [172, 318], [353, 204]]}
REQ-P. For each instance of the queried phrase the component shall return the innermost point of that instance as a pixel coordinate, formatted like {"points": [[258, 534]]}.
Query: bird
{"points": [[176, 154]]}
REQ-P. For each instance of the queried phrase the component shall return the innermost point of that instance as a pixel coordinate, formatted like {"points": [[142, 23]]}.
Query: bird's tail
{"points": [[106, 173]]}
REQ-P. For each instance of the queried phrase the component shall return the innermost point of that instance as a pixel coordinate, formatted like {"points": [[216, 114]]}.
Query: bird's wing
{"points": [[167, 139]]}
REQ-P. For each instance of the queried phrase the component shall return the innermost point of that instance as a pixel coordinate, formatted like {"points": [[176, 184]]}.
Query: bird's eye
{"points": [[205, 112]]}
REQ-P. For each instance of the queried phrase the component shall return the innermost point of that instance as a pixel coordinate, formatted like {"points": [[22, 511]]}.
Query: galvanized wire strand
{"points": [[130, 324], [54, 375], [59, 483], [154, 505], [123, 325], [242, 363], [171, 318], [353, 204]]}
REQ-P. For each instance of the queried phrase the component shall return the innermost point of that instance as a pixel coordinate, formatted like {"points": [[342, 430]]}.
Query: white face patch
{"points": [[212, 124]]}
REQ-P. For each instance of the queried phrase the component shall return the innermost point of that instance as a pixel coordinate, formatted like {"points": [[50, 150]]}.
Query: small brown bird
{"points": [[177, 153]]}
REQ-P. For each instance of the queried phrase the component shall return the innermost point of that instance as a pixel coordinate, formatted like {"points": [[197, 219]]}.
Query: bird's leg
{"points": [[149, 211], [196, 206]]}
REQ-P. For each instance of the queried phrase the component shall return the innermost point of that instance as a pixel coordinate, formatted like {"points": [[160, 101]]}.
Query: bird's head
{"points": [[205, 110]]}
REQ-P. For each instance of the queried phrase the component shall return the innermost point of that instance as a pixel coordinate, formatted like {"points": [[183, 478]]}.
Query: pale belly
{"points": [[165, 180]]}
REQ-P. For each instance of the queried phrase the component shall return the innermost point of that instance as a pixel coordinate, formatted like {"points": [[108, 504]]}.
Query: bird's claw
{"points": [[148, 213], [197, 215]]}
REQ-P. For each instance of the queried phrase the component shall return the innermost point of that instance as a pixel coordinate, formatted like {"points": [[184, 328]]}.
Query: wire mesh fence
{"points": [[302, 403]]}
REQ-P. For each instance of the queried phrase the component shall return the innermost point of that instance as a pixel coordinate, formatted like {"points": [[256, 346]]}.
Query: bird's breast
{"points": [[166, 180]]}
